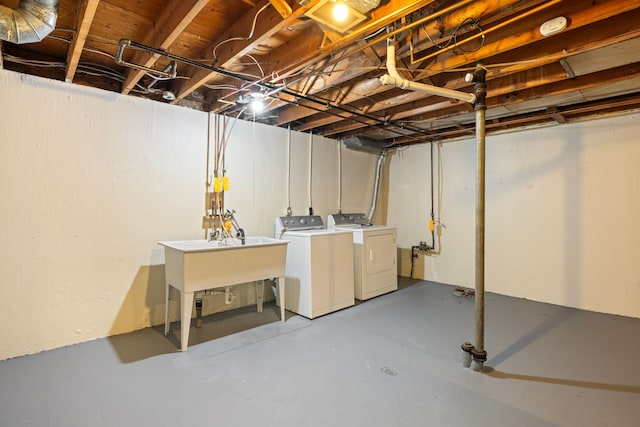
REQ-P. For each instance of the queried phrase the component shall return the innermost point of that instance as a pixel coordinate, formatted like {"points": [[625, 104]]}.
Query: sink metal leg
{"points": [[259, 294], [185, 322], [280, 286], [167, 301]]}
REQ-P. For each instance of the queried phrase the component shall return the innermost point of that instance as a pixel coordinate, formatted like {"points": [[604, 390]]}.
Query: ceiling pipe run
{"points": [[395, 79], [31, 22]]}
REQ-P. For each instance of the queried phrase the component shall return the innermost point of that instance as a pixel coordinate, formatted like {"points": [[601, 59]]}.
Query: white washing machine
{"points": [[319, 269], [374, 254]]}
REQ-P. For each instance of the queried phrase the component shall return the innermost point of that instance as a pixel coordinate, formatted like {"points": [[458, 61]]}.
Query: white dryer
{"points": [[319, 269], [375, 254]]}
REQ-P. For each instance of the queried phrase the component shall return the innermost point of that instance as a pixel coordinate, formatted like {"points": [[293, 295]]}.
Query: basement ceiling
{"points": [[324, 79]]}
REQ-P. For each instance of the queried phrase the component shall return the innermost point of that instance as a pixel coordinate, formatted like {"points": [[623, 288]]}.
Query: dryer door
{"points": [[380, 253]]}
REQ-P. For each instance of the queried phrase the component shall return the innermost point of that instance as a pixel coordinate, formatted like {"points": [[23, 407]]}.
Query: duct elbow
{"points": [[31, 22]]}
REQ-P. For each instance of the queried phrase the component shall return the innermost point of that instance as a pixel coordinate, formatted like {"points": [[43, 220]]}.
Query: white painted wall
{"points": [[562, 209], [91, 180]]}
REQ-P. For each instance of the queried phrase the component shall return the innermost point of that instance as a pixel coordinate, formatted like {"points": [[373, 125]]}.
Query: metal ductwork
{"points": [[376, 187], [368, 145], [31, 22]]}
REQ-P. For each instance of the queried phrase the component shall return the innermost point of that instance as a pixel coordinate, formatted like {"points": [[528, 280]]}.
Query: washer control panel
{"points": [[301, 222], [353, 219]]}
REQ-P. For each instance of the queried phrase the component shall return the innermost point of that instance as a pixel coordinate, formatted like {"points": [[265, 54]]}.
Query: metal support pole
{"points": [[478, 352]]}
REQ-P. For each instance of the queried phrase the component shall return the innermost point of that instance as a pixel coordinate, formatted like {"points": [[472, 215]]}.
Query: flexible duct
{"points": [[31, 22], [376, 186], [395, 79]]}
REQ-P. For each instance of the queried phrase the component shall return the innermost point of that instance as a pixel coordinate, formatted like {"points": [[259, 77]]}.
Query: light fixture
{"points": [[257, 102], [257, 106], [553, 26], [341, 15], [340, 12]]}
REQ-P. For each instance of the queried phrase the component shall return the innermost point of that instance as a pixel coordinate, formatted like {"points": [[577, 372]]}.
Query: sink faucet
{"points": [[241, 235]]}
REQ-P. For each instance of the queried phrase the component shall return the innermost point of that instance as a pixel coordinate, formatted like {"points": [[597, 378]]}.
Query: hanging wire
{"points": [[253, 27], [468, 24], [257, 63]]}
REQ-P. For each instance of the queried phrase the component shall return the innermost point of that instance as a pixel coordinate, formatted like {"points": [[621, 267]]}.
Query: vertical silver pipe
{"points": [[339, 176], [289, 211], [376, 187], [478, 352]]}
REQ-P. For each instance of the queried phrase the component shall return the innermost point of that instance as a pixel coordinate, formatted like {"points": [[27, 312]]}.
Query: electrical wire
{"points": [[469, 24], [253, 27], [257, 63]]}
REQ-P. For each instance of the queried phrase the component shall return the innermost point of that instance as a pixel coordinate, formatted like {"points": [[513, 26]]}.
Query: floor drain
{"points": [[389, 371]]}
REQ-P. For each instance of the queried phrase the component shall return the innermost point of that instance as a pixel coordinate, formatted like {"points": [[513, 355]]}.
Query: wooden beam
{"points": [[615, 104], [267, 23], [418, 107], [588, 81], [282, 7], [86, 13], [615, 29], [501, 98], [306, 40], [380, 17], [338, 77], [383, 15], [490, 10], [579, 14], [173, 21]]}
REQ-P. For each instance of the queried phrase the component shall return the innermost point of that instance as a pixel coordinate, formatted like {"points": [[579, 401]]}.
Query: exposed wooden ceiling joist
{"points": [[176, 16], [86, 13], [327, 82], [246, 34]]}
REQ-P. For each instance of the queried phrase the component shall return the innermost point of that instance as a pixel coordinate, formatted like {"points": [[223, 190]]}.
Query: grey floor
{"points": [[390, 361]]}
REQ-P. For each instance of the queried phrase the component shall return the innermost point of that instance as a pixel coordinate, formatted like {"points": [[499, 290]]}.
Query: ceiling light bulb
{"points": [[340, 12], [257, 105]]}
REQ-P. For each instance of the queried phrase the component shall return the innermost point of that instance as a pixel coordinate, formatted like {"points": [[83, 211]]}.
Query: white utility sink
{"points": [[197, 265]]}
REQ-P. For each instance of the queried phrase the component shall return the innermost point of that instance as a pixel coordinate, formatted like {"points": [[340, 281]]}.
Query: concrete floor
{"points": [[390, 361]]}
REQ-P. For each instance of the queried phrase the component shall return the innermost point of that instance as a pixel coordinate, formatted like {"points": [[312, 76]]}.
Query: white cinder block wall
{"points": [[562, 209], [91, 180]]}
